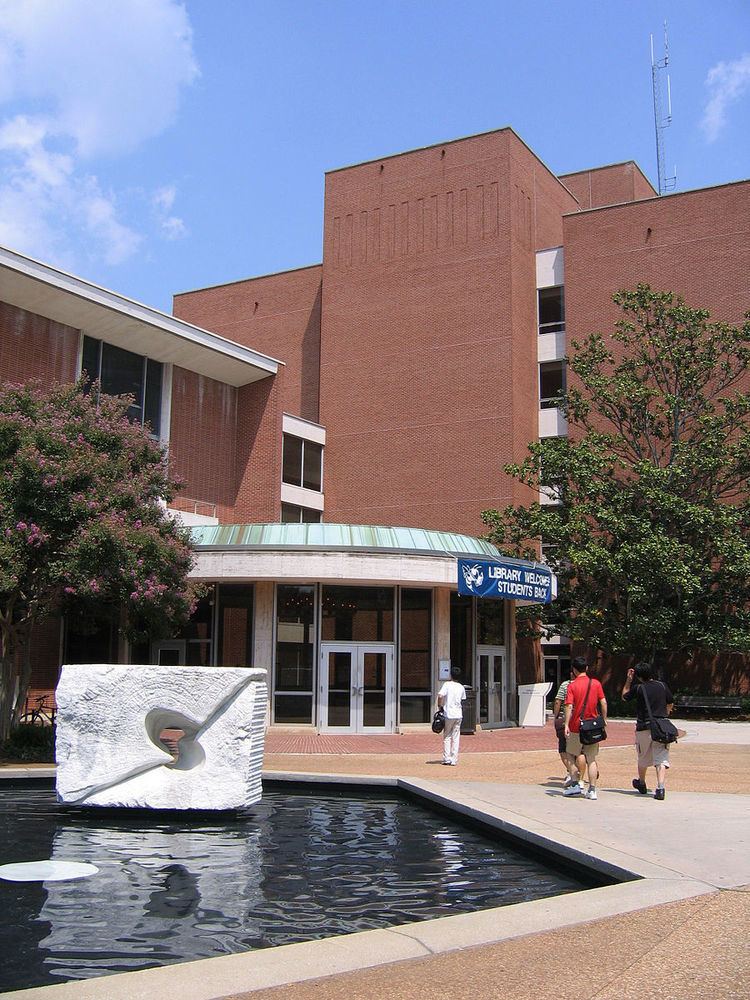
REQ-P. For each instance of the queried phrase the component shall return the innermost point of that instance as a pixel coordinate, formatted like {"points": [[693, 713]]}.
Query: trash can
{"points": [[532, 704], [469, 720]]}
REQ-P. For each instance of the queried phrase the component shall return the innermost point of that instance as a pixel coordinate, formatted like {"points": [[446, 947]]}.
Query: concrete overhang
{"points": [[103, 314]]}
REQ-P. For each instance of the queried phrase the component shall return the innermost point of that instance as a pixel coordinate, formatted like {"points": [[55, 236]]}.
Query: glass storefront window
{"points": [[357, 614], [235, 626], [461, 636], [416, 655], [295, 648], [490, 622]]}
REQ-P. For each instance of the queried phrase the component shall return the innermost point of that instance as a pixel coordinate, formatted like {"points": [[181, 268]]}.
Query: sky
{"points": [[155, 146]]}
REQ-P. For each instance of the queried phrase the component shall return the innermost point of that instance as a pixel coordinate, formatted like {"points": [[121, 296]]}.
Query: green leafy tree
{"points": [[650, 537], [83, 526]]}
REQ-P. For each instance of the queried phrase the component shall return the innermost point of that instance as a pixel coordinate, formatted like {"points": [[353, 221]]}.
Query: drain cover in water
{"points": [[46, 871]]}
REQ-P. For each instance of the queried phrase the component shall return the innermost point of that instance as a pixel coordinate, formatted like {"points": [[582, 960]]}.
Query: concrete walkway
{"points": [[678, 932]]}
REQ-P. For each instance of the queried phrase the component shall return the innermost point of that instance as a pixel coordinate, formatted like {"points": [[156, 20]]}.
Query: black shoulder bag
{"points": [[662, 730], [591, 730], [438, 721]]}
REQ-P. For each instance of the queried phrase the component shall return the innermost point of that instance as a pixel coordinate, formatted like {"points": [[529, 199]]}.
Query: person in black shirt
{"points": [[639, 680]]}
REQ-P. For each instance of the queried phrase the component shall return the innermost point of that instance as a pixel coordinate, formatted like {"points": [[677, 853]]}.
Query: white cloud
{"points": [[726, 82], [171, 227], [83, 81]]}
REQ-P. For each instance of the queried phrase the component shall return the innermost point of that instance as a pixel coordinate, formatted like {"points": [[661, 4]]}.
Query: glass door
{"points": [[492, 684], [357, 692]]}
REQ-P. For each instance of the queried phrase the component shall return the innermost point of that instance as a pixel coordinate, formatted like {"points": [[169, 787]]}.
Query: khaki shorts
{"points": [[576, 748], [650, 754]]}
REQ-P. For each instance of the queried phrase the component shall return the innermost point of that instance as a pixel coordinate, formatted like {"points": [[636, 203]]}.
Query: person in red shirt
{"points": [[582, 688]]}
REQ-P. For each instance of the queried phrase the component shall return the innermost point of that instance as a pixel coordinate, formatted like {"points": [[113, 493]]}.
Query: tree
{"points": [[651, 539], [83, 525]]}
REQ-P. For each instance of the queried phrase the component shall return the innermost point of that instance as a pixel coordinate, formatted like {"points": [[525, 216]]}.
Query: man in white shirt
{"points": [[450, 698]]}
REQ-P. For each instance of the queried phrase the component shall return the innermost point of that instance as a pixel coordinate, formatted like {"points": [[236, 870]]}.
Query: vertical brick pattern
{"points": [[34, 347], [422, 378], [277, 315]]}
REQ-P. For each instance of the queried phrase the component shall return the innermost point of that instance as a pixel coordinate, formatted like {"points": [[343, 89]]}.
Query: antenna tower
{"points": [[661, 121]]}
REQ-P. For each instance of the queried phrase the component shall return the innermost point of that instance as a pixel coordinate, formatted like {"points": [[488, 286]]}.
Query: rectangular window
{"points": [[302, 463], [551, 309], [490, 623], [359, 614], [292, 514], [462, 642], [295, 647], [121, 373], [235, 638], [552, 383], [416, 655]]}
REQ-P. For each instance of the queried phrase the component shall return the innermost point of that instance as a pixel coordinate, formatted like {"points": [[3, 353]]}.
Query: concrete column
{"points": [[263, 633], [442, 609]]}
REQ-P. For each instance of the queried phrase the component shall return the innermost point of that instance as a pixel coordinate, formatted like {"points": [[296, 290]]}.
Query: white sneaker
{"points": [[576, 789], [568, 781], [591, 793]]}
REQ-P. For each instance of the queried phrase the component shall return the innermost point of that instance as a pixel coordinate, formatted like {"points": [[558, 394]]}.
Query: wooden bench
{"points": [[709, 703]]}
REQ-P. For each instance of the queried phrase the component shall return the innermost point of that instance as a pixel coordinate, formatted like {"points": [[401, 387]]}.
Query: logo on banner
{"points": [[473, 577]]}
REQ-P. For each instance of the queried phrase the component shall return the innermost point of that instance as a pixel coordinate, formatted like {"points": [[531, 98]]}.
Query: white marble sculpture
{"points": [[110, 718]]}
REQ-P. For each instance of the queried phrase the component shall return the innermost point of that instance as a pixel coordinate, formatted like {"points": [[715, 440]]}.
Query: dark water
{"points": [[295, 867]]}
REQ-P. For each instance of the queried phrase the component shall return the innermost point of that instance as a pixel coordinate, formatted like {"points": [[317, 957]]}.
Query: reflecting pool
{"points": [[299, 865]]}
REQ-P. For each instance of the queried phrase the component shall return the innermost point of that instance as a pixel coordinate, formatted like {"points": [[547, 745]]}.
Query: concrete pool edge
{"points": [[215, 978]]}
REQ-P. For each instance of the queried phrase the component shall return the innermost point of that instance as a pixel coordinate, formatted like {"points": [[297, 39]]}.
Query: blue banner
{"points": [[509, 580]]}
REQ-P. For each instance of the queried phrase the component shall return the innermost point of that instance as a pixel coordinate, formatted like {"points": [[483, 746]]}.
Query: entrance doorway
{"points": [[357, 692], [493, 685]]}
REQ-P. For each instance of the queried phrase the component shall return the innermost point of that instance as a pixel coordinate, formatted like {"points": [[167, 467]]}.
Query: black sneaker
{"points": [[659, 794], [640, 786]]}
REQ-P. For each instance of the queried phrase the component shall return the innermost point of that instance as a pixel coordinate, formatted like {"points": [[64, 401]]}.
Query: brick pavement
{"points": [[280, 741]]}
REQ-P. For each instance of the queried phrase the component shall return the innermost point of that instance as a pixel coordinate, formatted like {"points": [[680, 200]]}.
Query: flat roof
{"points": [[39, 288]]}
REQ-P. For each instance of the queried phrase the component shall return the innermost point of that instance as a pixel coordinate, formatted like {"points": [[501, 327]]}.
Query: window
{"points": [[357, 614], [292, 514], [121, 373], [416, 655], [295, 647], [302, 463], [552, 383], [551, 309]]}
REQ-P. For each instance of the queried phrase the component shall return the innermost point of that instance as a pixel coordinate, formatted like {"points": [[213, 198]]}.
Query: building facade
{"points": [[387, 385]]}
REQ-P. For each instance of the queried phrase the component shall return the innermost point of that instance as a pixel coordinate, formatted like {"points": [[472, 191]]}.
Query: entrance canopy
{"points": [[354, 552], [333, 552]]}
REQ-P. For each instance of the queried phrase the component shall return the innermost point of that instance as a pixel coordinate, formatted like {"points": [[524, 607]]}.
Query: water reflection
{"points": [[297, 867]]}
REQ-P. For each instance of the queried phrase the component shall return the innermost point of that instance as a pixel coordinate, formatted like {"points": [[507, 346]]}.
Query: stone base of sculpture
{"points": [[112, 749]]}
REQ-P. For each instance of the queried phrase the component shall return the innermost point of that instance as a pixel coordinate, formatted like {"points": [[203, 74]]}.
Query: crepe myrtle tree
{"points": [[83, 526], [649, 528]]}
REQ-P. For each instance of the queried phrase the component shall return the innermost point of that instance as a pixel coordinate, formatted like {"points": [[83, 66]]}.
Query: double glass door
{"points": [[493, 685], [357, 692]]}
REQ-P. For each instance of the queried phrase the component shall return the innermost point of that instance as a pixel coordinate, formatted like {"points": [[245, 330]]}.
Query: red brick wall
{"points": [[420, 329], [34, 347], [611, 185], [696, 243], [203, 436], [277, 315], [258, 470]]}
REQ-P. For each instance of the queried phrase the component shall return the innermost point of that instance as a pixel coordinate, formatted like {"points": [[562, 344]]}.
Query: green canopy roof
{"points": [[340, 536]]}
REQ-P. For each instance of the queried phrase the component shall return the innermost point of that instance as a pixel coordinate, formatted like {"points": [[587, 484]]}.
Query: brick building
{"points": [[387, 385]]}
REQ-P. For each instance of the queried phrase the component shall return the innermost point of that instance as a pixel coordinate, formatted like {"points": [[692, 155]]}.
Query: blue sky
{"points": [[153, 146]]}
